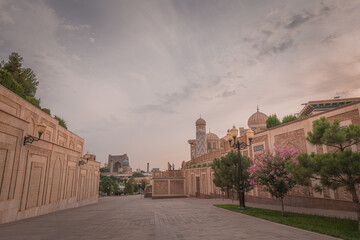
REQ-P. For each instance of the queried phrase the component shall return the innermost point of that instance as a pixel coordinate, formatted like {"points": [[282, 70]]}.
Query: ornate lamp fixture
{"points": [[87, 157], [41, 129], [232, 135]]}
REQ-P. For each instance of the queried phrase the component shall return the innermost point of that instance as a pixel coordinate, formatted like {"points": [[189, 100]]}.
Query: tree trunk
{"points": [[356, 201], [282, 206]]}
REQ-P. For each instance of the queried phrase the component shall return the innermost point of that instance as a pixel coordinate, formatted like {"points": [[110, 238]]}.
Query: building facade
{"points": [[199, 175], [43, 176], [119, 164]]}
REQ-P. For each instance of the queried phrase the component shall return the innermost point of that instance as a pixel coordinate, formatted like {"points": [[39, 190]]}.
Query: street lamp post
{"points": [[231, 136]]}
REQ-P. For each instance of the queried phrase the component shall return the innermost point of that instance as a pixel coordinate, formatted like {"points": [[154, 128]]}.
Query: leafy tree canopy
{"points": [[289, 118], [61, 121], [334, 135], [7, 81], [333, 170], [24, 76], [22, 81], [272, 121], [138, 174], [226, 173], [108, 185]]}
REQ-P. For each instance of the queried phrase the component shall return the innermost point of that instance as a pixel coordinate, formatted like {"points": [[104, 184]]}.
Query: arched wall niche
{"points": [[56, 181]]}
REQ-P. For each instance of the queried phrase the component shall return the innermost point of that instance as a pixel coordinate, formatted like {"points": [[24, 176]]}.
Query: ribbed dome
{"points": [[200, 121], [211, 136], [125, 163], [257, 119]]}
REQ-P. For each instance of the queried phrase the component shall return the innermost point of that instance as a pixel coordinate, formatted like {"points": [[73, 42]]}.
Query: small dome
{"points": [[200, 121], [125, 163], [212, 136], [257, 119]]}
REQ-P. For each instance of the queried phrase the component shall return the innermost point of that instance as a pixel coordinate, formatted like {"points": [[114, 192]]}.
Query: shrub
{"points": [[7, 81], [34, 101], [46, 110]]}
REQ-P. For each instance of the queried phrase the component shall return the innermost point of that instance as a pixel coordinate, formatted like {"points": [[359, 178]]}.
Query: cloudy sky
{"points": [[133, 76]]}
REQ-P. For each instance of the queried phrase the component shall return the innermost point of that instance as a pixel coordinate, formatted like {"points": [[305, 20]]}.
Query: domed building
{"points": [[257, 121], [213, 142], [125, 163], [119, 164]]}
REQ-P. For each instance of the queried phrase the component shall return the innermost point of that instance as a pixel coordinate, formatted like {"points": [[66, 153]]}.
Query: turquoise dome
{"points": [[125, 163]]}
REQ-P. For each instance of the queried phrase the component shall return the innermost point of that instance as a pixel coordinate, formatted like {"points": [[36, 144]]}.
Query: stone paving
{"points": [[135, 218]]}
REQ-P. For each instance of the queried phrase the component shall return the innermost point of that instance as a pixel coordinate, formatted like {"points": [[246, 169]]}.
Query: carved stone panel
{"points": [[294, 139]]}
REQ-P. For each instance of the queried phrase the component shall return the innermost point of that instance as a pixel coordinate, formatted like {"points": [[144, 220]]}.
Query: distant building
{"points": [[119, 164]]}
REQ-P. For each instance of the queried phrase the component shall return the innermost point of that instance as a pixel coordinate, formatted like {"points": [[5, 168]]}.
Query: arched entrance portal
{"points": [[116, 166]]}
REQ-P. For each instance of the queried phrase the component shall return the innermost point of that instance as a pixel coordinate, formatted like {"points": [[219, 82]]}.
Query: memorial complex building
{"points": [[198, 175]]}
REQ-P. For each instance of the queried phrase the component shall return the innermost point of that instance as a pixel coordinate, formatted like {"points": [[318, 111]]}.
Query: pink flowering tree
{"points": [[269, 171]]}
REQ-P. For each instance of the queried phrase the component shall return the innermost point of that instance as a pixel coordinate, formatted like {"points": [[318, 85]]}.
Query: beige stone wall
{"points": [[198, 179], [44, 176], [168, 184]]}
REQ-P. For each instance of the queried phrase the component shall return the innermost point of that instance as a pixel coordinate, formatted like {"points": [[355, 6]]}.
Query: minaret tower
{"points": [[201, 147]]}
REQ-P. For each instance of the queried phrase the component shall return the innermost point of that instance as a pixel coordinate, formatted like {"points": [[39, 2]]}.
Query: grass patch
{"points": [[336, 227]]}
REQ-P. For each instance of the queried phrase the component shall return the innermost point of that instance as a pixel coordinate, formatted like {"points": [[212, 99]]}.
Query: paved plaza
{"points": [[134, 218]]}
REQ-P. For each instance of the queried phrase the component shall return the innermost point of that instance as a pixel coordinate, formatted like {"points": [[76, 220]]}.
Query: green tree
{"points": [[272, 121], [34, 101], [143, 184], [46, 110], [104, 169], [288, 118], [332, 170], [7, 81], [136, 187], [24, 76], [61, 121], [138, 174], [108, 185], [129, 186], [226, 174]]}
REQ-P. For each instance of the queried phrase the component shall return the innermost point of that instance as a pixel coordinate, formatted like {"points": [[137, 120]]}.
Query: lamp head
{"points": [[229, 137], [87, 156], [234, 132], [41, 128], [250, 135]]}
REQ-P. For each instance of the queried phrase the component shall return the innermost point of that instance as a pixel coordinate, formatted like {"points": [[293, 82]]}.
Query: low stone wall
{"points": [[44, 176], [168, 188], [306, 202]]}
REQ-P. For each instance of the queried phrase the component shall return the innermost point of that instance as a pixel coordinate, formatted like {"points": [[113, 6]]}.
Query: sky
{"points": [[133, 76]]}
